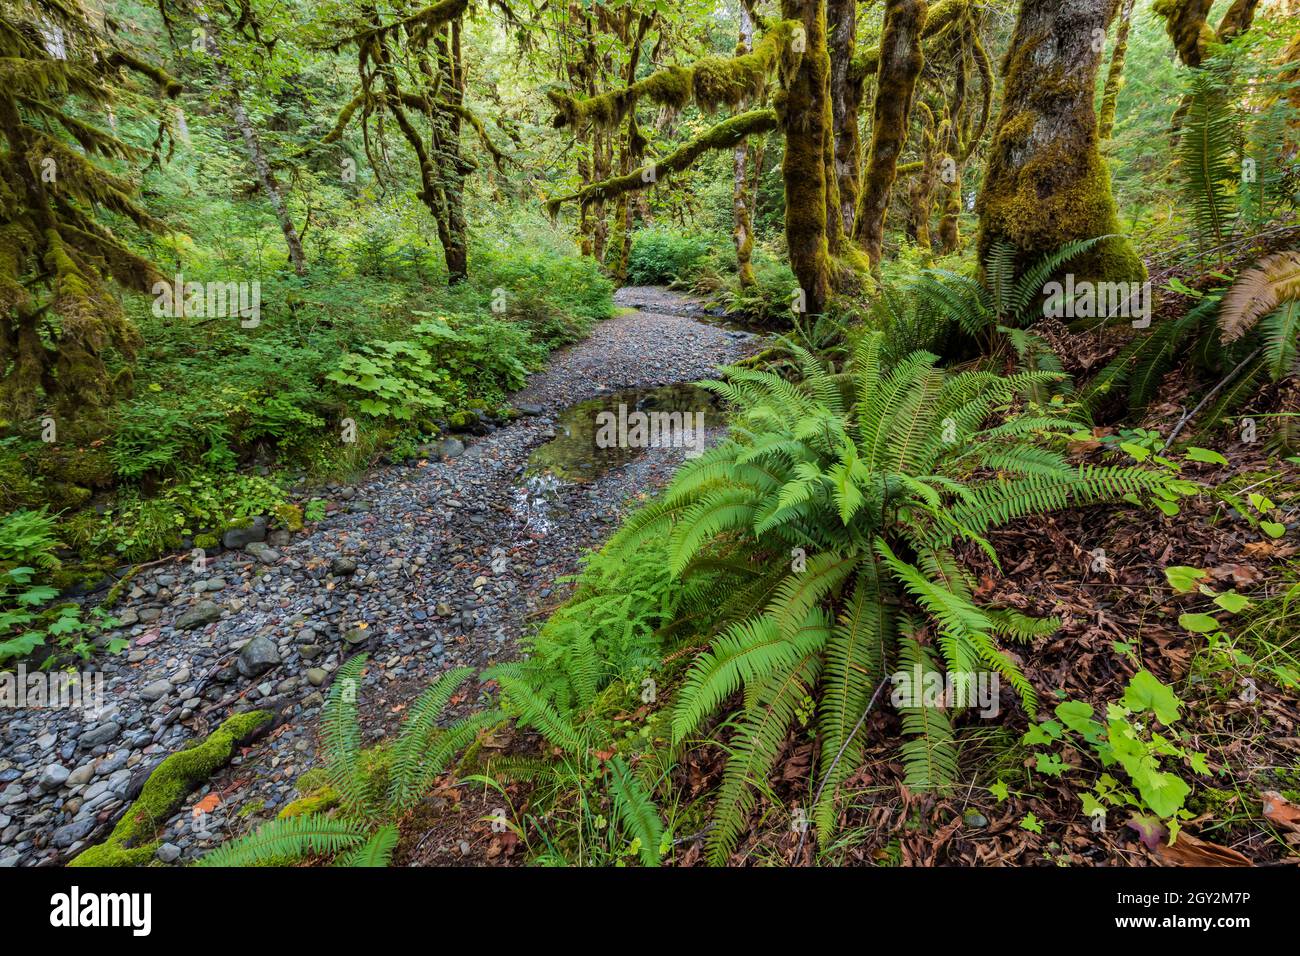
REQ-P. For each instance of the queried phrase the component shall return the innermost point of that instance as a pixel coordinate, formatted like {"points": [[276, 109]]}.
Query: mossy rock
{"points": [[134, 838], [17, 488], [206, 541], [62, 496], [89, 467], [322, 800], [289, 517], [463, 420]]}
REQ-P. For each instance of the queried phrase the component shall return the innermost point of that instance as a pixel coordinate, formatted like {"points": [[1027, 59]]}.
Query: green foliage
{"points": [[1208, 157], [28, 622], [373, 789], [768, 301], [665, 256], [28, 537], [1138, 737], [847, 473]]}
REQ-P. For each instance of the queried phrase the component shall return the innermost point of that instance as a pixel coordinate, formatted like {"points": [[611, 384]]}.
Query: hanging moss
{"points": [[134, 838]]}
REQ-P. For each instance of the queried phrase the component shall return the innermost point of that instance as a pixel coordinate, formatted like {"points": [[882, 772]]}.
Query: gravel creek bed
{"points": [[427, 566]]}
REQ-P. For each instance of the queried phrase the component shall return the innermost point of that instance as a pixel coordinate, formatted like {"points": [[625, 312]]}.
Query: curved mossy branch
{"points": [[985, 69], [1236, 20], [722, 136], [710, 82], [1185, 22], [426, 21], [170, 86], [866, 62], [345, 117]]}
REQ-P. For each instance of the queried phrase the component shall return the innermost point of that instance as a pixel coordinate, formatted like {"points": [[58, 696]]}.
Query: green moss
{"points": [[62, 496], [1185, 22], [710, 82], [289, 516], [206, 540], [17, 488], [318, 802], [1046, 182], [134, 839], [722, 136]]}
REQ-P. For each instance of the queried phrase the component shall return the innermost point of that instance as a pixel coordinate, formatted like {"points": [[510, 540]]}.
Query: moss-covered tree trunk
{"points": [[1046, 183], [846, 105], [809, 156], [631, 147], [920, 188], [950, 163], [741, 218], [453, 231], [900, 65], [1115, 74]]}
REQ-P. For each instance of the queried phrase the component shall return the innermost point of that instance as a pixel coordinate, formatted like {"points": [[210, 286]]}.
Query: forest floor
{"points": [[442, 563]]}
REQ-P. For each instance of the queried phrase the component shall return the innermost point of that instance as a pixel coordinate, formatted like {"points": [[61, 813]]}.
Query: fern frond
{"points": [[375, 852], [287, 840], [340, 734], [635, 810]]}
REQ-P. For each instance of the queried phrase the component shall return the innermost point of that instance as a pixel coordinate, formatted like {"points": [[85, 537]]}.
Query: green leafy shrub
{"points": [[27, 555], [1137, 737], [768, 302], [662, 256], [554, 296], [154, 439], [29, 537]]}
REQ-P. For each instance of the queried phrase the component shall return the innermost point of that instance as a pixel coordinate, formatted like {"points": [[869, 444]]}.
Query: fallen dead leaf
{"points": [[1192, 851], [206, 805], [1281, 811]]}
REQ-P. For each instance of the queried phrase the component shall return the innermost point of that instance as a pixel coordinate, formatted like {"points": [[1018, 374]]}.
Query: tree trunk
{"points": [[950, 164], [806, 119], [1046, 183], [253, 147], [453, 231], [742, 220], [846, 103], [920, 190], [1115, 75], [900, 65]]}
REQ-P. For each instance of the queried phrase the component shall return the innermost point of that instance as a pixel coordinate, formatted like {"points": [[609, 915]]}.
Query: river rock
{"points": [[257, 657]]}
